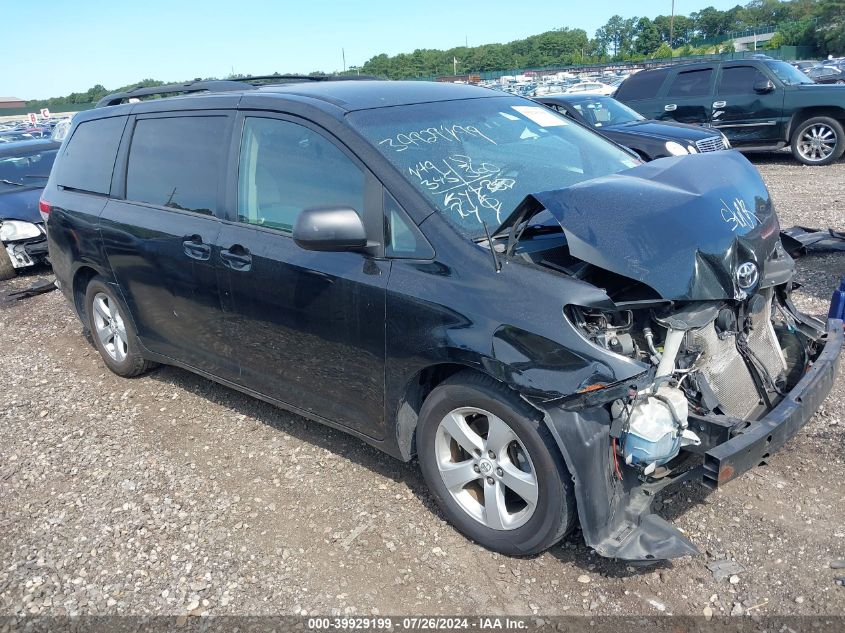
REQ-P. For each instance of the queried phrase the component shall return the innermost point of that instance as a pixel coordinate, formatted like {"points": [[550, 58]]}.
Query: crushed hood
{"points": [[680, 225]]}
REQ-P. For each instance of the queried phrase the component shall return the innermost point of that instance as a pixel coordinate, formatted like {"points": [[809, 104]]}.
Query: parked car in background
{"points": [[24, 169], [804, 65], [827, 74], [60, 130], [13, 136], [590, 87], [760, 104], [622, 125], [548, 324]]}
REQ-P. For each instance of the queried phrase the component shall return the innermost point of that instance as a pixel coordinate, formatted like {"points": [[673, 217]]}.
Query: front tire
{"points": [[7, 270], [112, 332], [493, 466], [818, 141]]}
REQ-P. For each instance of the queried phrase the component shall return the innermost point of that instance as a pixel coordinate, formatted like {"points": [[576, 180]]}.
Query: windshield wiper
{"points": [[496, 264], [12, 182], [34, 176]]}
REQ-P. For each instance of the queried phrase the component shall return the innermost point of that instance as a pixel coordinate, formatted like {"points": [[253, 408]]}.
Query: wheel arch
{"points": [[422, 383], [81, 278], [804, 114]]}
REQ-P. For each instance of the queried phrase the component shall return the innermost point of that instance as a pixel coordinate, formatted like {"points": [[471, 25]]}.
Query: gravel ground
{"points": [[168, 494]]}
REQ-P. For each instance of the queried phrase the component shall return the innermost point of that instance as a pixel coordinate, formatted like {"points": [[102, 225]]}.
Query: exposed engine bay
{"points": [[735, 358]]}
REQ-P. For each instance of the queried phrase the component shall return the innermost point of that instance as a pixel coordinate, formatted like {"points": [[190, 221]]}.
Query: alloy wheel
{"points": [[817, 142], [109, 327], [486, 468]]}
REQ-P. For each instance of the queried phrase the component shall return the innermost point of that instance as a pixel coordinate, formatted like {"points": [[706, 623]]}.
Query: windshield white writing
{"points": [[465, 187], [431, 135]]}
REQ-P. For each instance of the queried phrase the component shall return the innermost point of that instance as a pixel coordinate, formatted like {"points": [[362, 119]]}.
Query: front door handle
{"points": [[237, 258], [670, 107], [719, 104], [195, 249]]}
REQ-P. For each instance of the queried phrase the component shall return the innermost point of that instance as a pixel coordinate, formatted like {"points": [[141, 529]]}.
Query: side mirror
{"points": [[329, 229], [763, 86]]}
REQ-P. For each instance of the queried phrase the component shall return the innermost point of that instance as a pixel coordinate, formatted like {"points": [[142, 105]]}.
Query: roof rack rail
{"points": [[218, 85]]}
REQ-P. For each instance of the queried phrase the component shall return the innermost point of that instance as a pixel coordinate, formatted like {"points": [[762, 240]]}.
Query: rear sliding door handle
{"points": [[195, 249], [670, 107], [719, 104], [237, 258]]}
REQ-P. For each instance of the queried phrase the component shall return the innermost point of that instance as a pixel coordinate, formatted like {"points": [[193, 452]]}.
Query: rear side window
{"points": [[643, 85], [176, 162], [739, 80], [692, 83], [88, 159]]}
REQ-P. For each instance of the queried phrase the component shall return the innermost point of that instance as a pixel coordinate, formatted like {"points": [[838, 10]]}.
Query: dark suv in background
{"points": [[450, 273], [758, 104]]}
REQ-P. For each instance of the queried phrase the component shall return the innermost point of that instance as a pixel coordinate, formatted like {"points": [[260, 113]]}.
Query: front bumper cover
{"points": [[616, 517]]}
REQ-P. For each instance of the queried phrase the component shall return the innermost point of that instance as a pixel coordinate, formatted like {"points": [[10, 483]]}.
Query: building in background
{"points": [[11, 102]]}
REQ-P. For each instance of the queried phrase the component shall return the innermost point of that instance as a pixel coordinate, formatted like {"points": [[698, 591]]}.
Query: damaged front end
{"points": [[701, 292]]}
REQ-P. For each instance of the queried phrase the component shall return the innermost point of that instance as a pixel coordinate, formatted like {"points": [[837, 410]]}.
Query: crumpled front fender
{"points": [[615, 516]]}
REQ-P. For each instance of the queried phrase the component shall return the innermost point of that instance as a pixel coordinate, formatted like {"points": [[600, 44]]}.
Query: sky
{"points": [[78, 44]]}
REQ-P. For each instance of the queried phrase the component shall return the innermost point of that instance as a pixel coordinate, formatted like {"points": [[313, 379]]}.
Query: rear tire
{"points": [[818, 141], [518, 497], [7, 271], [112, 331]]}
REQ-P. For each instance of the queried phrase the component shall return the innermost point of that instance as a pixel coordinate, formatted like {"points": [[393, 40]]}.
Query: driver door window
{"points": [[739, 80], [286, 167]]}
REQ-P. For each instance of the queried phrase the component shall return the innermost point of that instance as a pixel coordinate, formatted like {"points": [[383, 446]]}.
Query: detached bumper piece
{"points": [[756, 443]]}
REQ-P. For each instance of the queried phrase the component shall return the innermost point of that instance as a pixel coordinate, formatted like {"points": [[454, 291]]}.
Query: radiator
{"points": [[725, 370]]}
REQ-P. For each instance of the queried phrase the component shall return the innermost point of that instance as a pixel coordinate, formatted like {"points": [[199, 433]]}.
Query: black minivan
{"points": [[550, 326]]}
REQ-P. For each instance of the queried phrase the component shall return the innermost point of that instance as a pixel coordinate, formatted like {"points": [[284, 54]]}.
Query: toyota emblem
{"points": [[747, 275]]}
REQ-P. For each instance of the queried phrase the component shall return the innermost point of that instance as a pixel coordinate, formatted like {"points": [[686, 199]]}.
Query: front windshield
{"points": [[603, 111], [788, 74], [476, 160]]}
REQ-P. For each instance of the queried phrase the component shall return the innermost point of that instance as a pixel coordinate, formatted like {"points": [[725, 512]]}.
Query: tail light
{"points": [[44, 209]]}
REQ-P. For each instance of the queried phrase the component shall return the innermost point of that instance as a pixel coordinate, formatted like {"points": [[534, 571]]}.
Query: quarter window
{"points": [[739, 80], [88, 158], [692, 83], [286, 167], [177, 162], [402, 238]]}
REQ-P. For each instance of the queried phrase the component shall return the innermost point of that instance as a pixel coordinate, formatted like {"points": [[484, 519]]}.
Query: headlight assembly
{"points": [[12, 230], [676, 149]]}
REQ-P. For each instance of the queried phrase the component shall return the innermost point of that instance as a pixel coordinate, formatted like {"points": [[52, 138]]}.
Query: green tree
{"points": [[831, 35], [664, 51], [646, 36], [774, 43]]}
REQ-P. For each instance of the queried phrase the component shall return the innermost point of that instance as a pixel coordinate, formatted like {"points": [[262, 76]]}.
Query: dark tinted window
{"points": [[691, 83], [643, 85], [402, 238], [739, 80], [176, 162], [286, 167], [88, 158]]}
